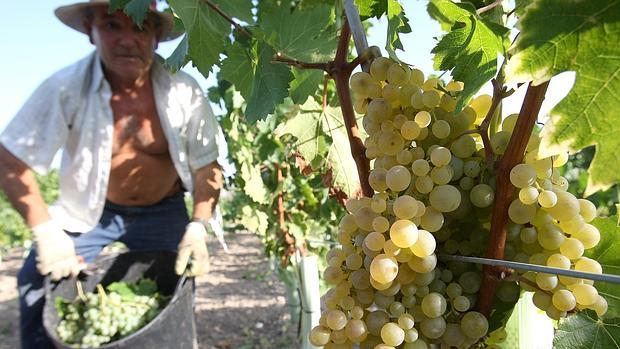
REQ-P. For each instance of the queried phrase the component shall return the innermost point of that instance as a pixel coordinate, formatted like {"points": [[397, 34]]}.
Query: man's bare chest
{"points": [[137, 128]]}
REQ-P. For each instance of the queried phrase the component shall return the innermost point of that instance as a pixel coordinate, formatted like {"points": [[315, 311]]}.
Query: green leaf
{"points": [[240, 9], [310, 127], [585, 331], [304, 84], [178, 59], [470, 49], [607, 253], [263, 84], [251, 175], [583, 38], [397, 24], [254, 220], [207, 32], [371, 8], [305, 37]]}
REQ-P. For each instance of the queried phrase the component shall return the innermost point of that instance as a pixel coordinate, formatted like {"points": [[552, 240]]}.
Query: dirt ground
{"points": [[240, 304]]}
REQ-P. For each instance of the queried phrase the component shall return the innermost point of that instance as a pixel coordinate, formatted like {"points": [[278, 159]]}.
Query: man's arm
{"points": [[20, 186], [207, 185]]}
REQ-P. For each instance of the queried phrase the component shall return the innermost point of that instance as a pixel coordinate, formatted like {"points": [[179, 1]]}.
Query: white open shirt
{"points": [[71, 111]]}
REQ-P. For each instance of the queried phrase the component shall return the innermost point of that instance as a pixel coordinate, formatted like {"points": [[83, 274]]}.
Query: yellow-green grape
{"points": [[354, 261], [563, 300], [391, 93], [464, 146], [442, 175], [432, 220], [499, 142], [405, 207], [376, 179], [572, 226], [378, 110], [422, 264], [521, 213], [482, 195], [374, 241], [417, 77], [420, 167], [374, 91], [554, 313], [508, 124], [364, 217], [375, 321], [404, 157], [528, 195], [585, 294], [398, 74], [447, 102], [557, 260], [431, 98], [379, 68], [440, 156], [390, 142], [546, 282], [410, 130], [336, 320], [430, 84], [403, 233], [398, 178], [461, 303], [600, 306], [356, 330], [541, 300], [433, 328], [337, 337], [441, 129], [392, 334], [406, 92], [390, 248], [588, 265], [566, 207], [360, 279], [378, 204], [445, 198], [434, 305], [588, 235], [416, 100], [528, 235], [522, 175], [474, 324], [481, 105], [423, 119], [547, 199], [572, 248], [560, 159], [454, 290], [453, 337], [319, 336], [550, 237], [425, 244], [380, 224], [405, 321], [587, 210], [360, 82], [383, 268], [361, 106], [455, 86], [357, 312]]}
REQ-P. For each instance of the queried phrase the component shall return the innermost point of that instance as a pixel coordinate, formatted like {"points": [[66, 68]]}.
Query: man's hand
{"points": [[55, 251], [194, 245]]}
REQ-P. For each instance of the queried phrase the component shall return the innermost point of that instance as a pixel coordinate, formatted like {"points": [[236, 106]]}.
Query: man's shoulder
{"points": [[74, 72]]}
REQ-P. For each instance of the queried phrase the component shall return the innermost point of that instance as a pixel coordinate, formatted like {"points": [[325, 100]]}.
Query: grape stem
{"points": [[499, 93], [504, 192]]}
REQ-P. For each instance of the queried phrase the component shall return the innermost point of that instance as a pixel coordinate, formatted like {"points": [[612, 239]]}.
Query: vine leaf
{"points": [[321, 139], [306, 38], [263, 84], [178, 59], [471, 47], [371, 8], [253, 184], [607, 253], [304, 84], [136, 9], [240, 9], [254, 219], [207, 32], [585, 330], [397, 24], [583, 38]]}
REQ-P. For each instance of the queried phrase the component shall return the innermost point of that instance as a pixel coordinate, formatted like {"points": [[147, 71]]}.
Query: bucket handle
{"points": [[178, 287]]}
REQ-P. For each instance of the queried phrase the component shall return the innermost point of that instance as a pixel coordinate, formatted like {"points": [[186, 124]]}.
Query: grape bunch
{"points": [[98, 318], [434, 193]]}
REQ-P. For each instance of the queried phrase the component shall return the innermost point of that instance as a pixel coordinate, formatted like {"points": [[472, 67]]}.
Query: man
{"points": [[133, 138]]}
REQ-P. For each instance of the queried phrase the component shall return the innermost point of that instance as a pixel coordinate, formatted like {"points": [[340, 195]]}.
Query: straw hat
{"points": [[72, 15]]}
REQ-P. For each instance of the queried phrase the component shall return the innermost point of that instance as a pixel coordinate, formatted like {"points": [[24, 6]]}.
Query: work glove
{"points": [[193, 246], [55, 251]]}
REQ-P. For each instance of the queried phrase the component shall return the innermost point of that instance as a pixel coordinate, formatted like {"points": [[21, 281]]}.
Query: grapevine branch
{"points": [[340, 70], [499, 93], [504, 192], [288, 239], [217, 9]]}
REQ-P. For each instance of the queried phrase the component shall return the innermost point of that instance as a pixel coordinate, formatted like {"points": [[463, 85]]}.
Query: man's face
{"points": [[125, 50]]}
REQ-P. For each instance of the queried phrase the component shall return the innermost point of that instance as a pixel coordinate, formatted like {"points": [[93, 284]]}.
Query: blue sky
{"points": [[36, 44]]}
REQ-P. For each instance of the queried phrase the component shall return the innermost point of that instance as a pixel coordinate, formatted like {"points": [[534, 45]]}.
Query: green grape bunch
{"points": [[434, 193], [98, 318]]}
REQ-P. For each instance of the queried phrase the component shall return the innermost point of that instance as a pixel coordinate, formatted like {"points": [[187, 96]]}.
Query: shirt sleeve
{"points": [[39, 128], [201, 133]]}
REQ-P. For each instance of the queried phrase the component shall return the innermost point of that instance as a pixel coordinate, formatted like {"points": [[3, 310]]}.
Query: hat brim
{"points": [[73, 16]]}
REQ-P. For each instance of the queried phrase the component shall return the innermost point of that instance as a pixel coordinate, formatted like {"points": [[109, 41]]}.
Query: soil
{"points": [[240, 303]]}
